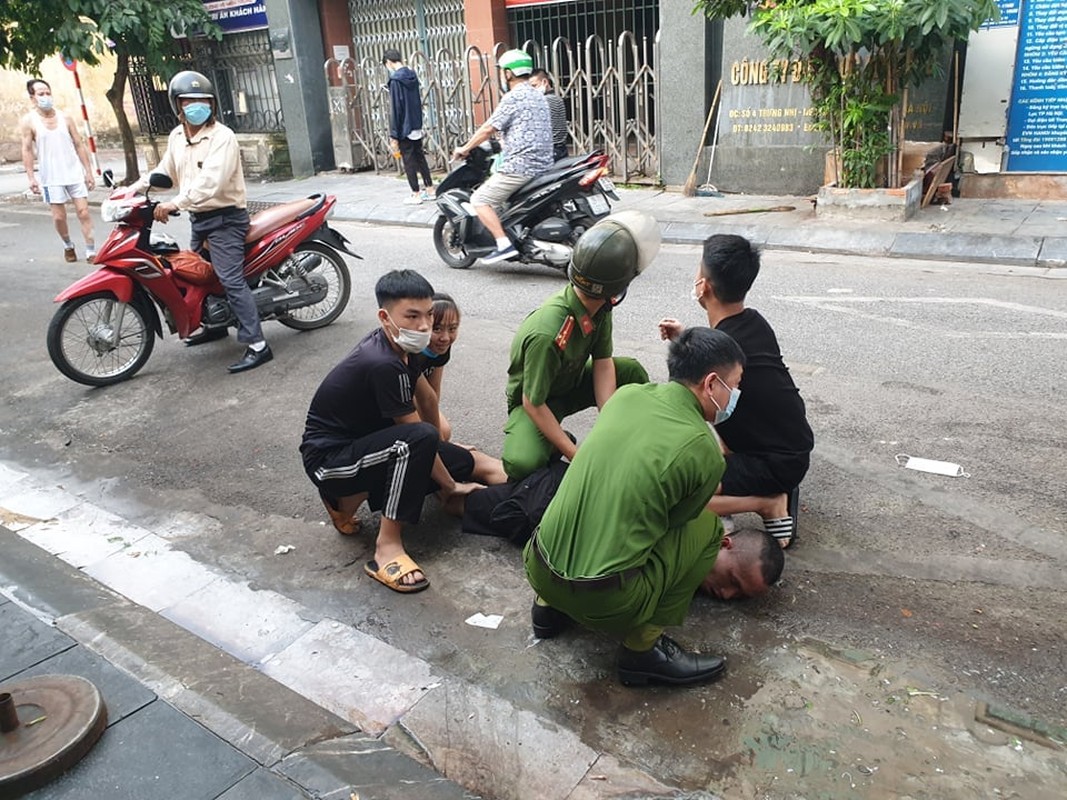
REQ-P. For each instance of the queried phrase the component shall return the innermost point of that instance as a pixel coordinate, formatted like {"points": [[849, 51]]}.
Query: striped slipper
{"points": [[782, 529], [786, 528]]}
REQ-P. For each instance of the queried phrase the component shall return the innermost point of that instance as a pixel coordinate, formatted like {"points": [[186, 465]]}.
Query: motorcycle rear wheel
{"points": [[81, 339], [322, 313], [455, 256]]}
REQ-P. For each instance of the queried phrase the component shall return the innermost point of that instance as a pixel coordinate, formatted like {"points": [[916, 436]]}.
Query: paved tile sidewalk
{"points": [[185, 721]]}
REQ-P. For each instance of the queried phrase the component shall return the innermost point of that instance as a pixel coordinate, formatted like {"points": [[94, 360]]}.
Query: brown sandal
{"points": [[345, 524], [392, 573]]}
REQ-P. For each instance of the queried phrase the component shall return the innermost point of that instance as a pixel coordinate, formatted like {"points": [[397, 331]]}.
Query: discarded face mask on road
{"points": [[932, 466]]}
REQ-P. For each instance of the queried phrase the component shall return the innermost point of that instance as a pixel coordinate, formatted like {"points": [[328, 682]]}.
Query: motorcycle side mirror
{"points": [[160, 181]]}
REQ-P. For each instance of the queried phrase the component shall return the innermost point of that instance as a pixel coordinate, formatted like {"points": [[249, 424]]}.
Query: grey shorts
{"points": [[496, 191]]}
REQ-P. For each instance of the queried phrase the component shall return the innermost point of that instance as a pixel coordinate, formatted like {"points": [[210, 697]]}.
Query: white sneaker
{"points": [[90, 254], [414, 200]]}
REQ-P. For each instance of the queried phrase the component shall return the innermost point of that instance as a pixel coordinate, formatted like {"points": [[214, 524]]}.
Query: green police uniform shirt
{"points": [[650, 463], [552, 347]]}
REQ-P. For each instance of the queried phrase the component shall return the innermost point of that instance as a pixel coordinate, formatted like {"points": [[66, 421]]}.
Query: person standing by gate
{"points": [[405, 125], [63, 164]]}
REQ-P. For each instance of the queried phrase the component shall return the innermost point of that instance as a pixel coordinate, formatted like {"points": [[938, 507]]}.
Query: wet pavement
{"points": [[795, 718]]}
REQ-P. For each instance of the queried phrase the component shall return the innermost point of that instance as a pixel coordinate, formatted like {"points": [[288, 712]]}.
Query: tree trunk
{"points": [[116, 95]]}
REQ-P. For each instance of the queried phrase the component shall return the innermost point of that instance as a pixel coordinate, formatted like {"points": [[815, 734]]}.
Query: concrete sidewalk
{"points": [[185, 720], [1007, 232]]}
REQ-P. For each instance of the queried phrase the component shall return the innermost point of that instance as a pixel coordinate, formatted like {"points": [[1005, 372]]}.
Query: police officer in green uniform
{"points": [[561, 356], [627, 539]]}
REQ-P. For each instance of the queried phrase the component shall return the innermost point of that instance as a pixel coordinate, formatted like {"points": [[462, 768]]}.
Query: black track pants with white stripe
{"points": [[392, 466]]}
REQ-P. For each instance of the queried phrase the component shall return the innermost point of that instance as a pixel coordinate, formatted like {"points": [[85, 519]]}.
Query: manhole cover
{"points": [[47, 724]]}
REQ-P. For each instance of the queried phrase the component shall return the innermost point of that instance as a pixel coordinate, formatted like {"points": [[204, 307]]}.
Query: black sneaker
{"points": [[667, 663], [548, 622]]}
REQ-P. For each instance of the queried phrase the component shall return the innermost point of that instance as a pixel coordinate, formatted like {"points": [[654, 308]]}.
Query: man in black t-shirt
{"points": [[363, 439], [765, 434]]}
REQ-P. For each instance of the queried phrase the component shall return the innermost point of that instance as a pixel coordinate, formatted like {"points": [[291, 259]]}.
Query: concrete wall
{"points": [[297, 44], [766, 144], [95, 82], [765, 141], [683, 85]]}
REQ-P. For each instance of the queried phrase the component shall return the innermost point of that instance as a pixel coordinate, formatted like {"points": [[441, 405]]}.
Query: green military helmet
{"points": [[613, 252], [518, 61]]}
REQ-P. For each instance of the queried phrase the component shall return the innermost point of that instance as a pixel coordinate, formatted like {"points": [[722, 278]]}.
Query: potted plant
{"points": [[861, 58]]}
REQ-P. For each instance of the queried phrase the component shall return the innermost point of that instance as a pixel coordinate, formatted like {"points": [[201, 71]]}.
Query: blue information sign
{"points": [[1009, 14], [237, 15], [1037, 120]]}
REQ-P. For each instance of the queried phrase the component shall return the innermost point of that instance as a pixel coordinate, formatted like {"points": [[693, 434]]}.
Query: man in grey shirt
{"points": [[523, 122]]}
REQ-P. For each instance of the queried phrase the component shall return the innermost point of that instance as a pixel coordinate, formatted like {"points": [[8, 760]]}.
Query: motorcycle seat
{"points": [[272, 218], [545, 179]]}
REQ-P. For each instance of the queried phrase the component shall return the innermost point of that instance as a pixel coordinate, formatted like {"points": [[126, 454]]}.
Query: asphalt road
{"points": [[960, 577]]}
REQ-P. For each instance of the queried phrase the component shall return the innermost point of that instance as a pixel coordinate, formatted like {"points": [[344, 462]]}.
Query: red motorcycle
{"points": [[105, 330]]}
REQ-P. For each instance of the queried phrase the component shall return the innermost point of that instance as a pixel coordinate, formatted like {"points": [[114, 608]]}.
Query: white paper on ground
{"points": [[480, 620], [932, 466]]}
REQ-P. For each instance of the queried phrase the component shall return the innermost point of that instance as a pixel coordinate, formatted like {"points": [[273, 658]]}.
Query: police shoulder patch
{"points": [[564, 334]]}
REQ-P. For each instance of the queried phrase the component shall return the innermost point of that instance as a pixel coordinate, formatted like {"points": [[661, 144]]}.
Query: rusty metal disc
{"points": [[60, 718]]}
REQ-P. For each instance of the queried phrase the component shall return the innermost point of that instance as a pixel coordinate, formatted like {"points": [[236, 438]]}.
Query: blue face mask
{"points": [[197, 113], [426, 351], [723, 414]]}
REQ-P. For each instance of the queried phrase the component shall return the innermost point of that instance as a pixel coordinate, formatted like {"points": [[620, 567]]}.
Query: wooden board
{"points": [[938, 173]]}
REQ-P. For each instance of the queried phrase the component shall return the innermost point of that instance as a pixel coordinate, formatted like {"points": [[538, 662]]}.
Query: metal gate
{"points": [[242, 69], [609, 90], [408, 25]]}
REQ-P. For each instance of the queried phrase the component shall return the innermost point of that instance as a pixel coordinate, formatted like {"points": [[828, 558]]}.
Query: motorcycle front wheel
{"points": [[339, 287], [98, 341], [455, 254]]}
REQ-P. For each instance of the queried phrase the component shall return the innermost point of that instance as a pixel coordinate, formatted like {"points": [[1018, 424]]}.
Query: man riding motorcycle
{"points": [[524, 124], [204, 160]]}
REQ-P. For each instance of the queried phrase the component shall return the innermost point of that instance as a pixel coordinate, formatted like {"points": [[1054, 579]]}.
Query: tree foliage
{"points": [[862, 56], [32, 30]]}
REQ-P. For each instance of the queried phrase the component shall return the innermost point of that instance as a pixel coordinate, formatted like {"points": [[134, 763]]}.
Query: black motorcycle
{"points": [[544, 218]]}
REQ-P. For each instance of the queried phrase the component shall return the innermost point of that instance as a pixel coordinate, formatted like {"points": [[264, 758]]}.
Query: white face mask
{"points": [[411, 341], [723, 414]]}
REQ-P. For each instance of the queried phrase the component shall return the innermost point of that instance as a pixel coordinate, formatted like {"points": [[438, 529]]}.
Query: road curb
{"points": [[1044, 252], [276, 727]]}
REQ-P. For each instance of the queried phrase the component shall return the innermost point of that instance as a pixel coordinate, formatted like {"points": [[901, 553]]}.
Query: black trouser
{"points": [[415, 163], [224, 231], [392, 466]]}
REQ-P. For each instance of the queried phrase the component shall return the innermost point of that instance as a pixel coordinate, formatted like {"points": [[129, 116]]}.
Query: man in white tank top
{"points": [[63, 164]]}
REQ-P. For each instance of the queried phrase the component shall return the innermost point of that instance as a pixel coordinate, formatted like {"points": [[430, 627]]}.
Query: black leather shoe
{"points": [[252, 359], [548, 622], [206, 335], [668, 663]]}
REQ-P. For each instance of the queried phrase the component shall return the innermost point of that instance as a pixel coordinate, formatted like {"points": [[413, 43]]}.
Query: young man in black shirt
{"points": [[363, 439], [765, 434]]}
